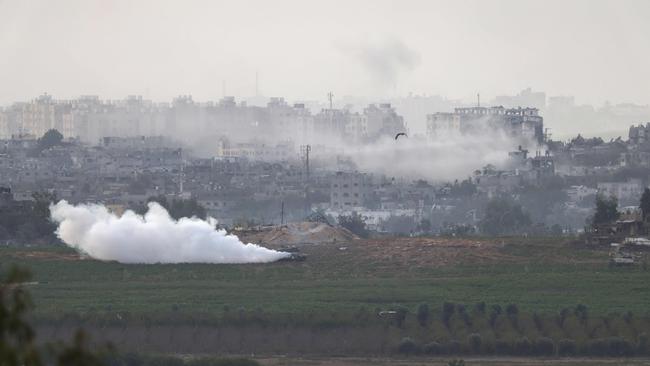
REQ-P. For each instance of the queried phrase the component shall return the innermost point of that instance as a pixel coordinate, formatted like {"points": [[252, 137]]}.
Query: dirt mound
{"points": [[298, 233], [433, 251]]}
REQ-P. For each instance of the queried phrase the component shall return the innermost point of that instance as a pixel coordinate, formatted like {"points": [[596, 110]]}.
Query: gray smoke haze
{"points": [[384, 60], [442, 159], [152, 238]]}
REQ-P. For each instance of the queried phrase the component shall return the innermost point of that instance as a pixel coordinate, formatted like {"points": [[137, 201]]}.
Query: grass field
{"points": [[542, 275]]}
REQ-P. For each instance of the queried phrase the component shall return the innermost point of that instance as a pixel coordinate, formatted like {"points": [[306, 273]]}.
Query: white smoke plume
{"points": [[152, 238]]}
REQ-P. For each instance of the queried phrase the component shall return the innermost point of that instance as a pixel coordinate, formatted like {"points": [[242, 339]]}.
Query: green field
{"points": [[331, 303], [538, 275]]}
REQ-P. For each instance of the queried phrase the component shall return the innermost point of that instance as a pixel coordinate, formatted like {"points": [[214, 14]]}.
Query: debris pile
{"points": [[298, 233]]}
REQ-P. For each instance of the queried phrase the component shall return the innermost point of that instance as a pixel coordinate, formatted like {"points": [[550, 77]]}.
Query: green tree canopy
{"points": [[355, 223], [49, 139], [606, 210], [645, 202], [503, 216]]}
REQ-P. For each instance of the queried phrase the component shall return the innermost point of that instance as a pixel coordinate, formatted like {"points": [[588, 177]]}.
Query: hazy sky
{"points": [[595, 50]]}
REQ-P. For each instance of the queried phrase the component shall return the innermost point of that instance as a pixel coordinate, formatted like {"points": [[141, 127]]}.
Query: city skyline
{"points": [[375, 49]]}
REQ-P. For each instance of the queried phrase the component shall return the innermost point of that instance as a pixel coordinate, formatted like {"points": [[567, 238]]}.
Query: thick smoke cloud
{"points": [[152, 238], [445, 158]]}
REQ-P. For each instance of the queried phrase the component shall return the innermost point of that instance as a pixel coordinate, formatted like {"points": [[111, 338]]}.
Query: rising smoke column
{"points": [[152, 238]]}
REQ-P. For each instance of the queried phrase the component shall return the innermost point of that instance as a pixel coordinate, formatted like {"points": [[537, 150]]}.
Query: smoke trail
{"points": [[152, 238]]}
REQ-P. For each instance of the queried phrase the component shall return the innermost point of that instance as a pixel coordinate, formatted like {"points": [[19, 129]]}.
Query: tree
{"points": [[50, 139], [17, 338], [644, 204], [423, 314], [606, 210], [355, 223], [503, 216]]}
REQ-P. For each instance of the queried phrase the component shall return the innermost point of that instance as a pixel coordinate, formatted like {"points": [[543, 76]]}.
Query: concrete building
{"points": [[517, 122], [624, 191], [348, 190]]}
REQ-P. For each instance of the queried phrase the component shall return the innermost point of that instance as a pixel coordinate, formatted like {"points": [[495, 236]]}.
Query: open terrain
{"points": [[543, 275], [330, 304]]}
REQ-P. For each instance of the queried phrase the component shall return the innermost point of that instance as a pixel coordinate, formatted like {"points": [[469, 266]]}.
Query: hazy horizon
{"points": [[596, 51]]}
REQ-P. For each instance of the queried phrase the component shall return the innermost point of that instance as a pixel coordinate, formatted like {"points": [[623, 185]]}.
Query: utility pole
{"points": [[478, 99], [330, 95], [307, 150], [282, 215]]}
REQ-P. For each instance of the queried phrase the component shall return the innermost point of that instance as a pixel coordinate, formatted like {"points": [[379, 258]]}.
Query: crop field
{"points": [[542, 275], [509, 296]]}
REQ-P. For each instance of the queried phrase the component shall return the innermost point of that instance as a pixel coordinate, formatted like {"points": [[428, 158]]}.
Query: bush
{"points": [[642, 344], [480, 307], [494, 314], [433, 348], [474, 342], [423, 314], [581, 312], [539, 323], [453, 347], [564, 313], [544, 347], [566, 347], [400, 316], [619, 346], [502, 347], [597, 347], [447, 312], [512, 310], [456, 363], [462, 311], [523, 347], [407, 346]]}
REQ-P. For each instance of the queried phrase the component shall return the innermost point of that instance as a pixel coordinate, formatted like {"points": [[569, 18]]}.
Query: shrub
{"points": [[564, 313], [423, 314], [581, 312], [462, 311], [400, 316], [597, 347], [523, 347], [619, 346], [502, 347], [544, 346], [456, 363], [642, 344], [407, 346], [494, 314], [433, 348], [539, 323], [447, 312], [453, 347], [628, 317], [566, 347], [474, 342], [512, 310], [480, 307]]}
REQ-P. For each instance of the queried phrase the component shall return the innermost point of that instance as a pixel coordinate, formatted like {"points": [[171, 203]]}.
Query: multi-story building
{"points": [[624, 191], [517, 122], [348, 190], [381, 121]]}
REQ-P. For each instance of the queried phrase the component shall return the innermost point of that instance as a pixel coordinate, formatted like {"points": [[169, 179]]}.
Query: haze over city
{"points": [[596, 51], [324, 183]]}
